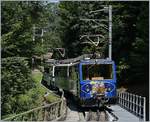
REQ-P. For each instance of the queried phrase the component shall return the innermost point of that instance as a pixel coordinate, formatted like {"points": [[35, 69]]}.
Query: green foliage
{"points": [[15, 80], [37, 76], [130, 41], [29, 99], [18, 19], [74, 27], [19, 91]]}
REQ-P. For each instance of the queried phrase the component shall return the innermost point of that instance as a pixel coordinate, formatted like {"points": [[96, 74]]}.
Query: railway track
{"points": [[77, 113], [100, 115], [94, 116]]}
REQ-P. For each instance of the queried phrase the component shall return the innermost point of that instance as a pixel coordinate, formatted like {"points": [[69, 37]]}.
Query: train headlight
{"points": [[109, 87], [87, 88]]}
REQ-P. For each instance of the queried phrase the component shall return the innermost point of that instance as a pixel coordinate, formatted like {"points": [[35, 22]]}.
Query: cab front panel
{"points": [[95, 85]]}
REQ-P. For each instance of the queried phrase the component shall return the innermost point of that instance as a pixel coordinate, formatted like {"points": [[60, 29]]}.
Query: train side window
{"points": [[46, 70], [73, 73], [61, 72]]}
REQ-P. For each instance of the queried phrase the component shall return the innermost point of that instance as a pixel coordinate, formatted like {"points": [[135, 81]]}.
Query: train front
{"points": [[97, 82]]}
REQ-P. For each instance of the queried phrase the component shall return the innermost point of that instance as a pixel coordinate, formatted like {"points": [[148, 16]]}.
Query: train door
{"points": [[61, 77], [46, 75], [73, 79]]}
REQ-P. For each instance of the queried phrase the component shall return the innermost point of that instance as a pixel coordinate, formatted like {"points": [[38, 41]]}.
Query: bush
{"points": [[16, 80]]}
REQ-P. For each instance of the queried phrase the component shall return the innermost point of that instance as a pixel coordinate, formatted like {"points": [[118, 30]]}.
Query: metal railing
{"points": [[133, 103], [48, 112]]}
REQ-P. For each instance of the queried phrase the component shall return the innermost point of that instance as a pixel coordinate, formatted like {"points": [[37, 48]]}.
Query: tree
{"points": [[74, 27], [16, 80], [18, 48], [130, 35]]}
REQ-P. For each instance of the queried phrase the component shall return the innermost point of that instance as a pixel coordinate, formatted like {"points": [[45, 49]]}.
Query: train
{"points": [[91, 81]]}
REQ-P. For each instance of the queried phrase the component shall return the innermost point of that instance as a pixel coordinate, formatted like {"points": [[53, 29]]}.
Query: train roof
{"points": [[84, 59], [97, 61]]}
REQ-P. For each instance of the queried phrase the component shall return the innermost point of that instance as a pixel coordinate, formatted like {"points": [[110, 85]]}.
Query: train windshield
{"points": [[97, 71]]}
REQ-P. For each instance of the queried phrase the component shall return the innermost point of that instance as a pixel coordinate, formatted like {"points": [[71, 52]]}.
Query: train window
{"points": [[61, 72], [46, 70], [73, 73], [97, 71]]}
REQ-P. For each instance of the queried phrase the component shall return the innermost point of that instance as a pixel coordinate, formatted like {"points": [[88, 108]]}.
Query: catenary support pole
{"points": [[110, 32]]}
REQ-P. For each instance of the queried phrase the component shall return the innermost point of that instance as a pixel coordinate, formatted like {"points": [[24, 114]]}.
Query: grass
{"points": [[36, 76], [40, 90]]}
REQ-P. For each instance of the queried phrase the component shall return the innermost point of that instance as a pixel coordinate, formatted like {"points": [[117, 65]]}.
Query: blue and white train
{"points": [[91, 81]]}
